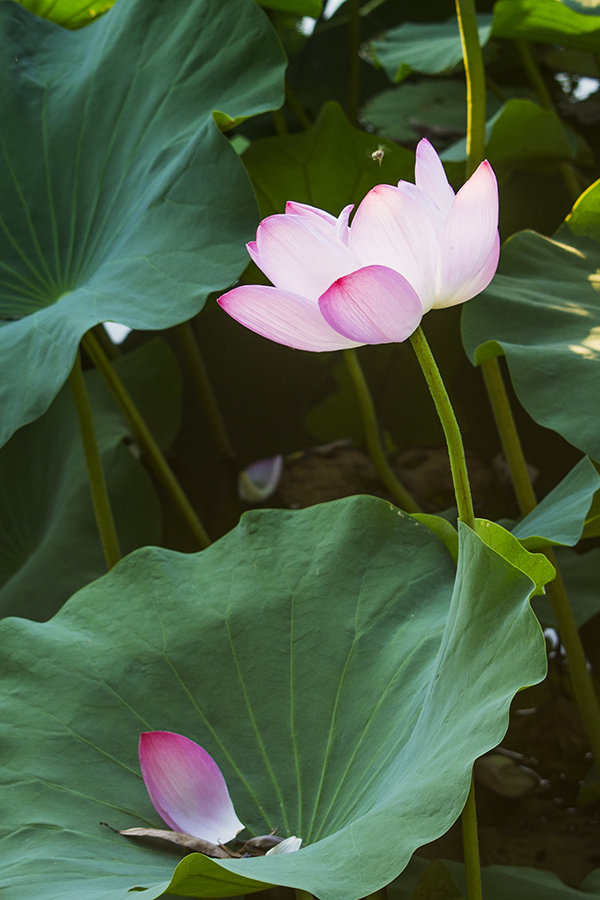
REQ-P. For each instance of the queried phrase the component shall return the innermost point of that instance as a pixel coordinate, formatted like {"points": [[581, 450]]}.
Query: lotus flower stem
{"points": [[372, 437], [583, 688], [456, 450], [567, 169], [198, 376], [464, 502], [100, 499], [150, 448]]}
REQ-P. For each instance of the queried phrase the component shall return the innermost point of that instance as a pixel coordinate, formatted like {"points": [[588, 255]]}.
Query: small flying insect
{"points": [[377, 155]]}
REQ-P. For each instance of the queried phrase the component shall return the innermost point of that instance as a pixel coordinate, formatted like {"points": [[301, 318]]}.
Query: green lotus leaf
{"points": [[430, 48], [49, 542], [436, 107], [329, 165], [547, 21], [535, 565], [542, 311], [340, 669], [561, 516], [121, 200], [521, 132]]}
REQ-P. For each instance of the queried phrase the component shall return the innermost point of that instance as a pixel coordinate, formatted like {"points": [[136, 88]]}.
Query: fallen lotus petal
{"points": [[409, 248], [186, 787], [260, 480], [289, 845]]}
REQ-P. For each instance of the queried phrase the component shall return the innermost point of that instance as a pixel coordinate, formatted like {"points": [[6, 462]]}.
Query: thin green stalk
{"points": [[100, 500], [476, 88], [470, 839], [583, 688], [507, 429], [464, 502], [372, 438], [456, 450], [475, 77], [198, 377], [354, 79], [567, 169], [150, 448], [296, 107], [279, 122]]}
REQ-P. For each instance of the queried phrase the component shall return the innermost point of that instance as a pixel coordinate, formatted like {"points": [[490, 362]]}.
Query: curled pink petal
{"points": [[374, 305], [186, 787], [282, 317], [469, 244], [300, 256], [430, 177]]}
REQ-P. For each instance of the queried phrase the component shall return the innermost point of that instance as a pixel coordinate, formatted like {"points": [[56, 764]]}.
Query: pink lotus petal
{"points": [[300, 256], [186, 787], [313, 214], [282, 317], [395, 227], [469, 243], [374, 305], [430, 177]]}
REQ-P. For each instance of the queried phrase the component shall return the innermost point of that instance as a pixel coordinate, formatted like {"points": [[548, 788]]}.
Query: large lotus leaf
{"points": [[520, 133], [434, 106], [49, 542], [121, 200], [329, 165], [335, 663], [546, 21], [68, 13], [561, 516], [431, 48], [499, 882], [542, 310]]}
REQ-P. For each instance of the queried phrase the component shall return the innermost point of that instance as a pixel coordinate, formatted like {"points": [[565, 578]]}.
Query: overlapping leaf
{"points": [[120, 198], [431, 48], [325, 660], [560, 518], [68, 13], [49, 543], [542, 311], [329, 165]]}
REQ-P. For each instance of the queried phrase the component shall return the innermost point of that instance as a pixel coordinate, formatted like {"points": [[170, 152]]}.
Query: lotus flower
{"points": [[189, 792], [409, 249]]}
